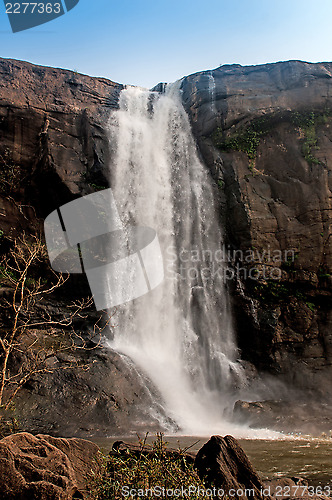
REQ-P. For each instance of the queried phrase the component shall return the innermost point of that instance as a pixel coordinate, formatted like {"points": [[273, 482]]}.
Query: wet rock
{"points": [[285, 415], [106, 395], [278, 201], [222, 463]]}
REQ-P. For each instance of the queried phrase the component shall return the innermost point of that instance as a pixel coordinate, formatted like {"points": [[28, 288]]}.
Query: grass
{"points": [[149, 467]]}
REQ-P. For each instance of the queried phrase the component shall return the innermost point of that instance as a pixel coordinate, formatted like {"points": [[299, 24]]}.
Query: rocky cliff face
{"points": [[265, 132], [54, 148], [52, 125]]}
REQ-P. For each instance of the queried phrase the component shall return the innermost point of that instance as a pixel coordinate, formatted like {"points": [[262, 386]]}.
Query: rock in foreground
{"points": [[284, 488], [45, 468], [223, 464]]}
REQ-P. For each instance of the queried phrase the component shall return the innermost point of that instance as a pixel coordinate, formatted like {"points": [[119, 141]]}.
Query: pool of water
{"points": [[310, 458], [305, 457]]}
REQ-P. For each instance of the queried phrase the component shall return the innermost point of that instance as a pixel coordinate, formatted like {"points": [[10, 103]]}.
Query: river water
{"points": [[310, 458]]}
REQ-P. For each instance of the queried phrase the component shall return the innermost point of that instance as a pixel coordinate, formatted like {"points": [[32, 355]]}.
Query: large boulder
{"points": [[46, 468], [232, 94], [223, 464], [287, 416], [86, 393], [293, 487]]}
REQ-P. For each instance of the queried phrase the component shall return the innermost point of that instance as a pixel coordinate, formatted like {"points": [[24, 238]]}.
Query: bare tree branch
{"points": [[19, 270]]}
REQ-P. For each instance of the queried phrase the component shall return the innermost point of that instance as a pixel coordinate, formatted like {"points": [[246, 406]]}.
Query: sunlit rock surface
{"points": [[275, 184]]}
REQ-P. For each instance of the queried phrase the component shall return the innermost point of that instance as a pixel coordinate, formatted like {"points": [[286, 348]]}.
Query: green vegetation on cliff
{"points": [[247, 139], [271, 292], [308, 124]]}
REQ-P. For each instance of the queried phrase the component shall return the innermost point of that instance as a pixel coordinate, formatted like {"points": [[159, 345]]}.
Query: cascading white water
{"points": [[212, 90], [180, 334]]}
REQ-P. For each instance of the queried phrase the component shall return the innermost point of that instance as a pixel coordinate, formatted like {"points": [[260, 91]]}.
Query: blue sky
{"points": [[143, 42]]}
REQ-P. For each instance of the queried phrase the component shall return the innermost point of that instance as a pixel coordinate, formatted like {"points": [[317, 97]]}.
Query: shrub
{"points": [[148, 468]]}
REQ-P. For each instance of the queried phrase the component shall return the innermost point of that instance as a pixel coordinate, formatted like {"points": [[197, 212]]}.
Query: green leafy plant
{"points": [[323, 272], [311, 306], [97, 187], [246, 140], [308, 122], [271, 291], [278, 292], [301, 296], [8, 421], [289, 264]]}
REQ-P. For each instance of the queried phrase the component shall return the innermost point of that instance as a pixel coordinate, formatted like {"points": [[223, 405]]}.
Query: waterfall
{"points": [[180, 334], [212, 91]]}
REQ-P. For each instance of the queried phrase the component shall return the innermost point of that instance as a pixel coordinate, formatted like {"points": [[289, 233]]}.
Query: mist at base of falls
{"points": [[179, 335]]}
